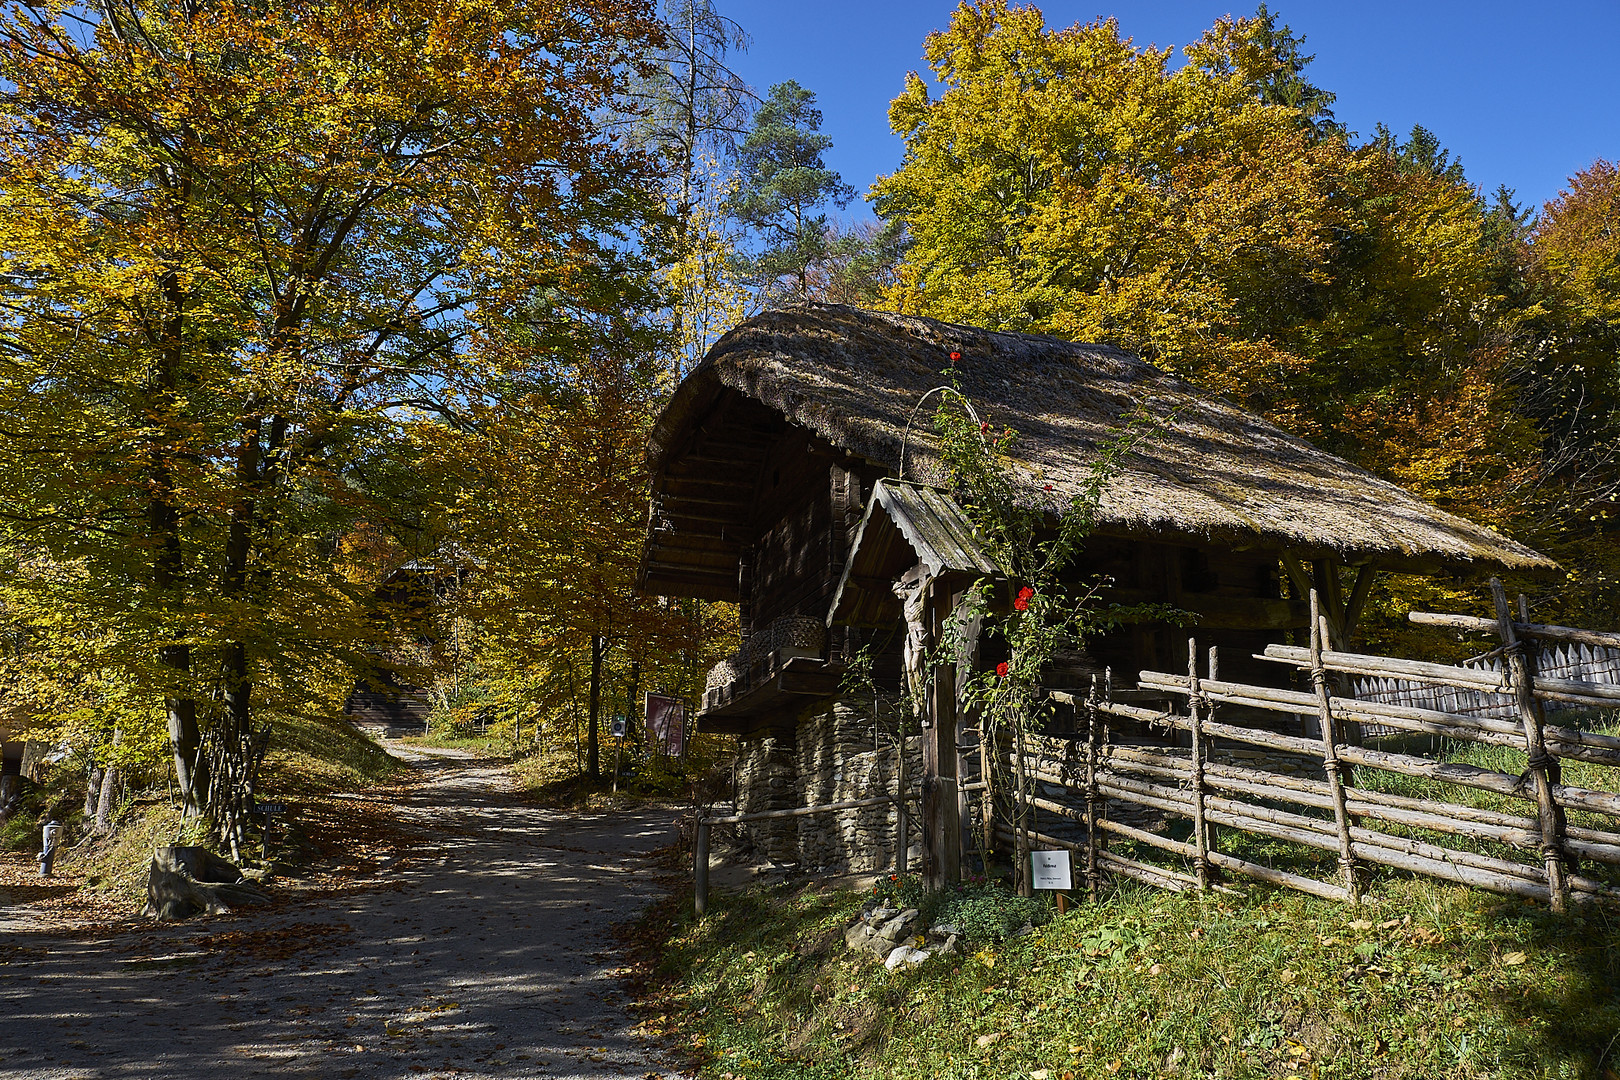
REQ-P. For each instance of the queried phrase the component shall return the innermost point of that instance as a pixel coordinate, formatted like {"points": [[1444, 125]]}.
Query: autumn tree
{"points": [[550, 489], [689, 109], [1213, 218], [245, 247], [1571, 382]]}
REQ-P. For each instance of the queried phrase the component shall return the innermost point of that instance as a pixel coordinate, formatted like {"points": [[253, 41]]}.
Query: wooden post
{"points": [[913, 592], [942, 827], [1194, 713], [902, 823], [1094, 803], [1212, 835], [700, 869], [987, 798], [1540, 764], [1330, 754]]}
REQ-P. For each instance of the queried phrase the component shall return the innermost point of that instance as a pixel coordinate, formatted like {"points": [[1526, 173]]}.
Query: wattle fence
{"points": [[1243, 769]]}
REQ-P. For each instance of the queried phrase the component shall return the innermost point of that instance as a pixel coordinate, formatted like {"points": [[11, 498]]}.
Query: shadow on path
{"points": [[482, 952]]}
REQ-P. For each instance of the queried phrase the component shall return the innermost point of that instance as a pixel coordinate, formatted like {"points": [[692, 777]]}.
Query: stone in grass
{"points": [[900, 927], [905, 954], [945, 930], [186, 881], [857, 934]]}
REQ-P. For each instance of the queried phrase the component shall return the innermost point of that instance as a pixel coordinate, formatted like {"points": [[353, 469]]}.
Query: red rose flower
{"points": [[956, 356], [1001, 670], [1025, 593], [984, 427], [1020, 604]]}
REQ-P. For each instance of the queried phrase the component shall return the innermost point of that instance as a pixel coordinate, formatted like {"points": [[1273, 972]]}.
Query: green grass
{"points": [[1435, 982], [318, 755]]}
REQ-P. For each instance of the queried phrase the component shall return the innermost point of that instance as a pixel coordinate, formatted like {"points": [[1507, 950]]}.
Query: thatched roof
{"points": [[1214, 472]]}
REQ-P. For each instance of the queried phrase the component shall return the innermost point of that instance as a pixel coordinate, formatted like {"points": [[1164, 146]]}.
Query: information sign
{"points": [[269, 808], [1051, 870], [666, 724]]}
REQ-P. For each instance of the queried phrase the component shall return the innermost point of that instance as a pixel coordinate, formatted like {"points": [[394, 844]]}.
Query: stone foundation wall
{"points": [[838, 763], [833, 760], [767, 779]]}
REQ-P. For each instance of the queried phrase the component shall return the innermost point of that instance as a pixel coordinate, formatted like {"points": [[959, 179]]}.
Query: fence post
{"points": [[1330, 755], [1194, 713], [1212, 832], [1541, 766], [700, 869], [1091, 789]]}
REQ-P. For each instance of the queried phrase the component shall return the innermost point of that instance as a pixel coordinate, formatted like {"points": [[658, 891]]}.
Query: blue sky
{"points": [[1525, 93]]}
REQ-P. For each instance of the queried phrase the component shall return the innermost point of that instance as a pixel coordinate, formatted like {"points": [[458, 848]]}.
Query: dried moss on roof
{"points": [[1213, 470]]}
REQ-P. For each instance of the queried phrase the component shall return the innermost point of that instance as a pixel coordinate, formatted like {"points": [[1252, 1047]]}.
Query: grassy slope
{"points": [[1433, 982], [319, 755], [308, 758]]}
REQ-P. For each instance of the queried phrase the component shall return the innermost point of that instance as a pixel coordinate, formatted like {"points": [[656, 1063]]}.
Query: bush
{"points": [[991, 912], [983, 910]]}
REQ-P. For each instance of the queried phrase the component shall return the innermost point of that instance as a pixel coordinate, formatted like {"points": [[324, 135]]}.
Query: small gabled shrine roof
{"points": [[905, 524]]}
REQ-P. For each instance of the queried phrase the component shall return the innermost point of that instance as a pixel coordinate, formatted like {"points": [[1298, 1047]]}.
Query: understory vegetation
{"points": [[1429, 981]]}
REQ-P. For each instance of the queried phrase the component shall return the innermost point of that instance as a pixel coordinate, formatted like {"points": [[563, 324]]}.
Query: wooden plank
{"points": [[1225, 612], [798, 811], [1601, 695]]}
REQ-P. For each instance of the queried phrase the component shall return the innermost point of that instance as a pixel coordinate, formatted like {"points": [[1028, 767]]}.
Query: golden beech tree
{"points": [[1211, 218], [245, 246], [550, 505]]}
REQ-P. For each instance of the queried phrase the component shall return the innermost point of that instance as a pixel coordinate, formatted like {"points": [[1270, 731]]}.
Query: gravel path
{"points": [[483, 953]]}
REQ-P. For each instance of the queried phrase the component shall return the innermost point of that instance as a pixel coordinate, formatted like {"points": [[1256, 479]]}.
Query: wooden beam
{"points": [[703, 500], [1297, 577], [1330, 591], [724, 462], [706, 480], [942, 828], [1358, 599], [708, 519], [1228, 612], [694, 575]]}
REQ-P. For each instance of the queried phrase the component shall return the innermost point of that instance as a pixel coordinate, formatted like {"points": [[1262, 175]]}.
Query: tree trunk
{"points": [[593, 764], [633, 729], [10, 792], [185, 881], [92, 789], [109, 790], [168, 560]]}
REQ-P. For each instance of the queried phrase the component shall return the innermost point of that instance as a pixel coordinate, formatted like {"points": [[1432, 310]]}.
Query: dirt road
{"points": [[483, 952]]}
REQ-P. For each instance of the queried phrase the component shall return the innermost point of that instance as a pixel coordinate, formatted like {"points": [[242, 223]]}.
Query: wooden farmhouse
{"points": [[776, 485]]}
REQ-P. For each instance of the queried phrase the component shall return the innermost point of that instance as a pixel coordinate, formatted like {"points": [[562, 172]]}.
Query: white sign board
{"points": [[1051, 870]]}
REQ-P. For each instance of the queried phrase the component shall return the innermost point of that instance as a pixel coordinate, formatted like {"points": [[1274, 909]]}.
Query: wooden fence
{"points": [[1307, 796], [1587, 663]]}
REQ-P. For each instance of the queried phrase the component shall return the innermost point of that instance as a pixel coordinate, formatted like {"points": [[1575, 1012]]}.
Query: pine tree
{"points": [[785, 183]]}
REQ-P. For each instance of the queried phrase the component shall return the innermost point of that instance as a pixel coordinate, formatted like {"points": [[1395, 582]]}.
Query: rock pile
{"points": [[898, 938]]}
